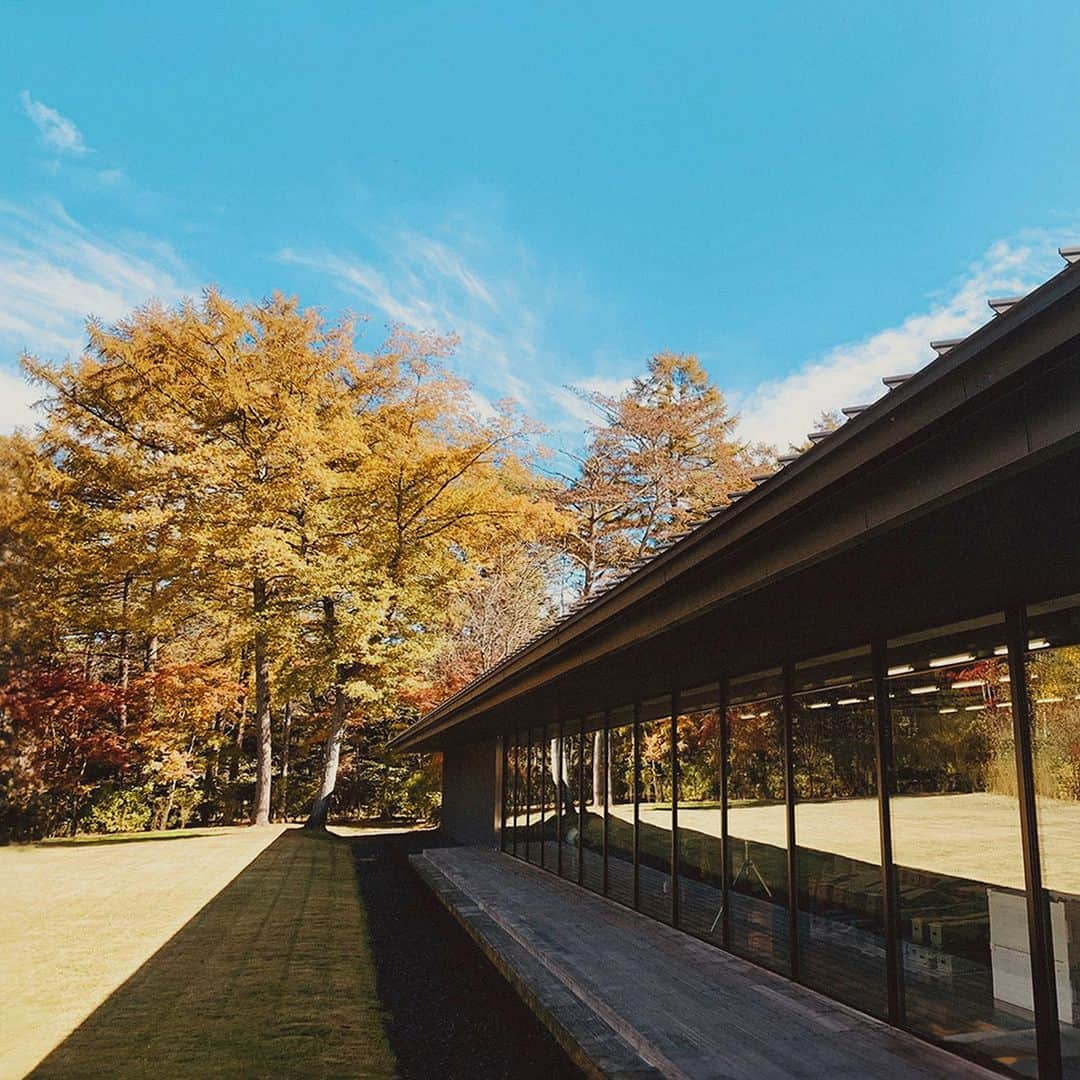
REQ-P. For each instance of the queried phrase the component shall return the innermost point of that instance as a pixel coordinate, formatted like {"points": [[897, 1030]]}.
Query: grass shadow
{"points": [[271, 978], [129, 838]]}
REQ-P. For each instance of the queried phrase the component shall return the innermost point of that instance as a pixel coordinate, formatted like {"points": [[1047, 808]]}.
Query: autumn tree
{"points": [[659, 457], [438, 495]]}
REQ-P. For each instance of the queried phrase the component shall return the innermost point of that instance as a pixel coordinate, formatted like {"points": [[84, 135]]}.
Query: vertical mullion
{"points": [[581, 803], [883, 755], [1044, 991], [559, 807], [725, 861], [604, 767], [504, 752], [789, 806], [675, 808], [528, 792], [543, 748], [637, 800], [517, 787]]}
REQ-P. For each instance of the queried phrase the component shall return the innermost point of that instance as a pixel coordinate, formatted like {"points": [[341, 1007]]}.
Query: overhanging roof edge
{"points": [[657, 572]]}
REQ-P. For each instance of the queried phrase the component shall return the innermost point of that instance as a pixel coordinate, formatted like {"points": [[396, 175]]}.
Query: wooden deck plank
{"points": [[688, 1009]]}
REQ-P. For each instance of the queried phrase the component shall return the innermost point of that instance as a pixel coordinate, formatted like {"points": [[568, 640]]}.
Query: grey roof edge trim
{"points": [[561, 633]]}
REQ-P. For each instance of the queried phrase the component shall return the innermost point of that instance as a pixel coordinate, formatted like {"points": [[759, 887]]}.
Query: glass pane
{"points": [[1052, 668], [592, 855], [654, 817], [757, 821], [956, 844], [551, 774], [534, 787], [506, 837], [837, 832], [569, 793], [700, 844], [620, 812], [518, 782]]}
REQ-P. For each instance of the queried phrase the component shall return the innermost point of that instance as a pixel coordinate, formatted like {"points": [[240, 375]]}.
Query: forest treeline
{"points": [[238, 553]]}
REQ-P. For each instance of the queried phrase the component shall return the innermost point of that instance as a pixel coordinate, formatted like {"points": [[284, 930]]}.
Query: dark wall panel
{"points": [[469, 792]]}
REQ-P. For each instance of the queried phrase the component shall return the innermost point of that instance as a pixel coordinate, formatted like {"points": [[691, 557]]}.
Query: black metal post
{"points": [[789, 805], [1044, 992], [560, 806], [581, 804], [528, 792], [606, 751], [542, 780], [637, 801], [894, 972], [517, 788], [725, 859], [504, 748], [675, 808]]}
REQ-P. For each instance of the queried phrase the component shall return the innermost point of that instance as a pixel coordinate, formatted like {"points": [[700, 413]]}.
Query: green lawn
{"points": [[224, 953]]}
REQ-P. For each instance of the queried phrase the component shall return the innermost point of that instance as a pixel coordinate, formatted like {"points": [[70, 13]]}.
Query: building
{"points": [[835, 729]]}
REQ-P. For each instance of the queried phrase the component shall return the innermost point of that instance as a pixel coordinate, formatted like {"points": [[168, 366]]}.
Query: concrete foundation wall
{"points": [[471, 792]]}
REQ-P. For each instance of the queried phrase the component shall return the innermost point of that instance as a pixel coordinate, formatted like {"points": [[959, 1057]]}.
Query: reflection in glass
{"points": [[510, 833], [592, 799], [551, 802], [620, 809], [699, 831], [654, 811], [533, 788], [757, 821], [837, 832], [956, 844], [568, 798], [1052, 669]]}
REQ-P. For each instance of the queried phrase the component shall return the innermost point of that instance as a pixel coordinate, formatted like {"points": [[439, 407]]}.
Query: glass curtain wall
{"points": [[757, 821], [620, 815], [654, 809], [593, 780], [597, 803], [569, 794], [958, 859], [837, 831], [700, 840], [1052, 668]]}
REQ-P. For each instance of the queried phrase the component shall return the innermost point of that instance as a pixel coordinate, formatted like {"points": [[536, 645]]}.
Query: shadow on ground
{"points": [[449, 1013], [272, 978], [324, 958], [132, 838]]}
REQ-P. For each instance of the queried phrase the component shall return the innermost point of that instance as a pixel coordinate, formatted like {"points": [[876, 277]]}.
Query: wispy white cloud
{"points": [[17, 398], [55, 129], [54, 273], [576, 406], [782, 411], [434, 283], [488, 291]]}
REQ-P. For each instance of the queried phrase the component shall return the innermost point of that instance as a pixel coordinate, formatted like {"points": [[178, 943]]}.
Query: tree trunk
{"points": [[283, 780], [260, 810], [213, 759], [320, 810]]}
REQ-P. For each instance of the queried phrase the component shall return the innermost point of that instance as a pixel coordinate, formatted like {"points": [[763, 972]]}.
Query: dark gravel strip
{"points": [[449, 1013]]}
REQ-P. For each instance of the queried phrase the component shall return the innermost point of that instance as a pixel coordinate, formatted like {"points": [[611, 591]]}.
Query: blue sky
{"points": [[802, 194]]}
